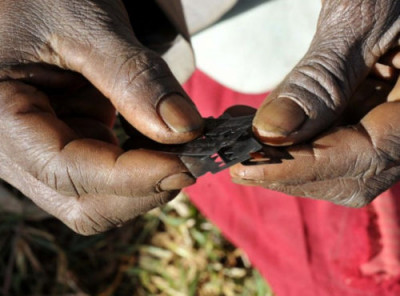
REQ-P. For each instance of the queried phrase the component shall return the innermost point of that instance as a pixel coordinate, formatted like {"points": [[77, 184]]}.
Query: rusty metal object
{"points": [[226, 141]]}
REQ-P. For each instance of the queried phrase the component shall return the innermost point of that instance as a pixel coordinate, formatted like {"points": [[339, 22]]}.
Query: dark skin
{"points": [[337, 99], [66, 66], [63, 76]]}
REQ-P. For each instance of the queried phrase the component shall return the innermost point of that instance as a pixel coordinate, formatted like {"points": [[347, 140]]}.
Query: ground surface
{"points": [[169, 251]]}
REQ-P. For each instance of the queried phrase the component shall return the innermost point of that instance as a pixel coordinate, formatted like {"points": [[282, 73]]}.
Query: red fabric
{"points": [[301, 246]]}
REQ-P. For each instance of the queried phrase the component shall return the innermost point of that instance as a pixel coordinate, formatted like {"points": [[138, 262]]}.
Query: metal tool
{"points": [[226, 141]]}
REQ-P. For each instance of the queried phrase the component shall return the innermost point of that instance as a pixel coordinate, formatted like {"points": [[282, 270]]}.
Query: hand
{"points": [[331, 86], [65, 66]]}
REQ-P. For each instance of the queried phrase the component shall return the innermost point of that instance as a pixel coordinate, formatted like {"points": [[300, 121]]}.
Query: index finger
{"points": [[82, 172]]}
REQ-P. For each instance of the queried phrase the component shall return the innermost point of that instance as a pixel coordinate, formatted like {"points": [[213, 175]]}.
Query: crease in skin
{"points": [[127, 61], [143, 69], [378, 153], [50, 52], [371, 171], [387, 39], [72, 183], [40, 181], [55, 181], [94, 225], [325, 91], [34, 109], [44, 167], [352, 201], [317, 177], [340, 198], [83, 189], [76, 228], [105, 218], [300, 103], [110, 175], [157, 188]]}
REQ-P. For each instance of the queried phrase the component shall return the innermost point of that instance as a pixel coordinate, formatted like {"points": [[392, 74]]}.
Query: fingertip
{"points": [[384, 72], [277, 120], [392, 58], [236, 171], [176, 182], [180, 114], [247, 173]]}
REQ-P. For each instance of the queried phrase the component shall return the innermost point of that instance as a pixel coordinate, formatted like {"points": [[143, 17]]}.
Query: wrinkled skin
{"points": [[66, 66], [339, 90]]}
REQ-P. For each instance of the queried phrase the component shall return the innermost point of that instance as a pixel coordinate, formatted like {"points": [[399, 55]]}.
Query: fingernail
{"points": [[244, 182], [176, 182], [279, 118], [179, 114], [247, 174]]}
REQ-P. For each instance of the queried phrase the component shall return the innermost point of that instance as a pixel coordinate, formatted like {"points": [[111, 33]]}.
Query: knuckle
{"points": [[142, 68], [374, 23], [320, 84], [140, 73]]}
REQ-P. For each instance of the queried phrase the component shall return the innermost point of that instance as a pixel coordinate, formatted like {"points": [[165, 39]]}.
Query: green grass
{"points": [[169, 251]]}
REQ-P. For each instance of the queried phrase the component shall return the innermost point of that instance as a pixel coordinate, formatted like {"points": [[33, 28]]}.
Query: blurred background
{"points": [[169, 251]]}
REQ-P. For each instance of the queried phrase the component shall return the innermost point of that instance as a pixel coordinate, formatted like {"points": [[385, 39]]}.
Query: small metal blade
{"points": [[225, 142]]}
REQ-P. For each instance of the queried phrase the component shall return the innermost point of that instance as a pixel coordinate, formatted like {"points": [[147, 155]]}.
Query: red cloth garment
{"points": [[301, 246]]}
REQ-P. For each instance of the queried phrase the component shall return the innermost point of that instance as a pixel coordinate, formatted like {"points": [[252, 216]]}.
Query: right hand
{"points": [[65, 67]]}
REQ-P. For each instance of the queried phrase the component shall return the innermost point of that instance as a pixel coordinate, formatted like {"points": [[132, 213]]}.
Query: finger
{"points": [[136, 80], [87, 102], [240, 110], [44, 76], [91, 213], [92, 129], [392, 58], [384, 72], [70, 94], [395, 93], [349, 166], [80, 169], [98, 166], [348, 42]]}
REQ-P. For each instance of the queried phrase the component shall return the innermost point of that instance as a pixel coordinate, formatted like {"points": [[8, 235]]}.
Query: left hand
{"points": [[349, 165], [352, 163]]}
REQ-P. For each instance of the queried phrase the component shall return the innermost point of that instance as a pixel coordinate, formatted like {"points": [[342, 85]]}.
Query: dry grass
{"points": [[169, 251]]}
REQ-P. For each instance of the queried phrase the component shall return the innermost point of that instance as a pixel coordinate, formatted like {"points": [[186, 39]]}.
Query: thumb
{"points": [[351, 36], [136, 80]]}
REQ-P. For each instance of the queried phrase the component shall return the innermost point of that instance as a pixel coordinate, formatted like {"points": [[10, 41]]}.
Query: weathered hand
{"points": [[330, 87], [65, 66]]}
